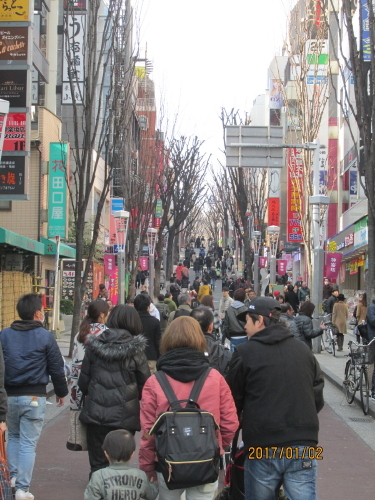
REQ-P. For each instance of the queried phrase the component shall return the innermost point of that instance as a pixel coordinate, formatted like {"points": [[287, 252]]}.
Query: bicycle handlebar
{"points": [[360, 345]]}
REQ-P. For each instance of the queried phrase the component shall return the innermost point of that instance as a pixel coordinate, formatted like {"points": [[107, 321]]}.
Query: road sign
{"points": [[254, 147]]}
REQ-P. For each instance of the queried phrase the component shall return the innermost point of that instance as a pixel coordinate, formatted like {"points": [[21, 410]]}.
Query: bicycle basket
{"points": [[364, 355]]}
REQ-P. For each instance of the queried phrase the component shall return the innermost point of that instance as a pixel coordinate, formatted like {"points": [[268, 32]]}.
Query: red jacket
{"points": [[179, 272], [215, 397]]}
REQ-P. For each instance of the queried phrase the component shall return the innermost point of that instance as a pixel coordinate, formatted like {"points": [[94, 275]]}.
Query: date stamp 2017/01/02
{"points": [[288, 452]]}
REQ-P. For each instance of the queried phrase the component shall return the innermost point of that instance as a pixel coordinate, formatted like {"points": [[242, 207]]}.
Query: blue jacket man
{"points": [[31, 356]]}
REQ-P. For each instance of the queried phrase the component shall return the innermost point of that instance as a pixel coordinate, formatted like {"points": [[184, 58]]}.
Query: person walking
{"points": [[277, 386], [183, 361], [31, 356], [113, 373], [292, 298], [288, 318], [304, 323], [303, 293], [225, 302], [213, 277], [233, 328], [360, 313], [171, 305], [331, 301], [92, 324], [163, 312], [179, 269], [184, 307], [340, 316], [103, 292], [204, 289], [151, 329], [197, 283], [208, 301]]}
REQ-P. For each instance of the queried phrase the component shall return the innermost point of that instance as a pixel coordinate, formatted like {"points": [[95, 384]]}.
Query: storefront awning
{"points": [[16, 240], [50, 248]]}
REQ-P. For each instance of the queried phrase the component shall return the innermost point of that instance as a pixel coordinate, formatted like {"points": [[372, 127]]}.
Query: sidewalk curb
{"points": [[337, 382]]}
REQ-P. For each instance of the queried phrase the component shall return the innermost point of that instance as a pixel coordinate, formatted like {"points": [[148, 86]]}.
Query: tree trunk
{"points": [[169, 270], [78, 287]]}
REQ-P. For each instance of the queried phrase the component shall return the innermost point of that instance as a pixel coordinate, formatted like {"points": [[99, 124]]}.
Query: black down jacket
{"points": [[114, 371], [305, 330]]}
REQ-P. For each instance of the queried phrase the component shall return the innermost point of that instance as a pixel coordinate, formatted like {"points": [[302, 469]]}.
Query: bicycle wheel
{"points": [[364, 390], [333, 343], [350, 382]]}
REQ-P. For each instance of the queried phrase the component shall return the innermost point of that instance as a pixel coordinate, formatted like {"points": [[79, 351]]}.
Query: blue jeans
{"points": [[213, 283], [25, 424], [298, 476]]}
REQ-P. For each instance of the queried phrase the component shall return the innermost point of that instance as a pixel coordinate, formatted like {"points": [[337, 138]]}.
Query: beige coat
{"points": [[361, 313], [340, 316]]}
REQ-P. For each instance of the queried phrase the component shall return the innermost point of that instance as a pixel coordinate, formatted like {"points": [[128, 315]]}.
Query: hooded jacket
{"points": [[232, 327], [182, 367], [171, 306], [203, 290], [305, 330], [31, 356], [114, 371], [278, 385]]}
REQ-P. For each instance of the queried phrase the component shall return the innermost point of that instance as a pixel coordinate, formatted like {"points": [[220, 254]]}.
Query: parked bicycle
{"points": [[329, 337], [356, 373]]}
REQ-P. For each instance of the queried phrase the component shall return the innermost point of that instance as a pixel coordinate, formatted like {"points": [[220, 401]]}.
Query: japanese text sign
{"points": [[113, 286], [13, 44], [281, 266], [57, 189], [14, 10], [15, 132], [13, 84], [295, 196], [262, 262], [273, 211], [109, 264], [12, 175], [73, 62], [333, 262]]}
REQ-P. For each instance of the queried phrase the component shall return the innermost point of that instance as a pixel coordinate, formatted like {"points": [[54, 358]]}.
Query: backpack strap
{"points": [[168, 391], [197, 387]]}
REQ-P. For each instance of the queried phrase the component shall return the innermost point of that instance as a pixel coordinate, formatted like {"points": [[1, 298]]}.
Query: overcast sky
{"points": [[209, 54]]}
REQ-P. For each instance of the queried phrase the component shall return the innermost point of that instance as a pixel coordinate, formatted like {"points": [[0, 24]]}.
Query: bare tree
{"points": [[101, 111]]}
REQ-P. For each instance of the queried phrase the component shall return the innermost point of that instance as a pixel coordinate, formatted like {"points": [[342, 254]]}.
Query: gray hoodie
{"points": [[119, 481]]}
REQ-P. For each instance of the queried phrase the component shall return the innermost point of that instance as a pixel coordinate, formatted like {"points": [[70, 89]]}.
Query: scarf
{"points": [[183, 364], [26, 324]]}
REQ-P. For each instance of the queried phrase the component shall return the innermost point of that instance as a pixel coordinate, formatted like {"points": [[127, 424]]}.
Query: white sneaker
{"points": [[13, 481], [24, 495]]}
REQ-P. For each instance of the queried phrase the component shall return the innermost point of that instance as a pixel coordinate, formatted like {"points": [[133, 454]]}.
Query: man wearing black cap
{"points": [[277, 386]]}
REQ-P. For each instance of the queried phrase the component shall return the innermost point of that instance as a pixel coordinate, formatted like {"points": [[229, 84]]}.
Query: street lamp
{"points": [[122, 225], [152, 235], [256, 243], [273, 234]]}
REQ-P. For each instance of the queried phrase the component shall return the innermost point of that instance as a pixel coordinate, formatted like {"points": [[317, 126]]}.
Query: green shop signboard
{"points": [[57, 189]]}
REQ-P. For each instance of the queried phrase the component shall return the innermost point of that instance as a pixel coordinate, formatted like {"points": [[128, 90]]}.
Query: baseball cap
{"points": [[261, 306], [225, 289], [276, 294]]}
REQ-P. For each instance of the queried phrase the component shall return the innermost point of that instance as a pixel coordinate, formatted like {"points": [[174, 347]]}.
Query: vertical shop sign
{"points": [[262, 262], [15, 132], [295, 200], [73, 61], [109, 264], [281, 266], [57, 189], [274, 211], [333, 262], [113, 286]]}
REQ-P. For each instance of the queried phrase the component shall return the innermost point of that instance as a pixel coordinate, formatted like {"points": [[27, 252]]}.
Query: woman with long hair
{"points": [[305, 330], [183, 361], [340, 315], [92, 324], [208, 301], [113, 374]]}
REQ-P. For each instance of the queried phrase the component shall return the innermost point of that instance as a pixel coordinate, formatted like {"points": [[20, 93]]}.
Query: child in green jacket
{"points": [[120, 481]]}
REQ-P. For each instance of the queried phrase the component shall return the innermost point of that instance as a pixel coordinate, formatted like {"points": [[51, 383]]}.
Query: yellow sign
{"points": [[140, 72], [14, 10]]}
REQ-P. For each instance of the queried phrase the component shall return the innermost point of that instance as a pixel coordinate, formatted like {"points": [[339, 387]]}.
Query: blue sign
{"points": [[117, 204], [117, 248], [353, 183], [365, 31]]}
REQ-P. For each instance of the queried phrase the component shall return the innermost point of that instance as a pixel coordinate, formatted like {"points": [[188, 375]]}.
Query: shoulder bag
{"points": [[77, 440]]}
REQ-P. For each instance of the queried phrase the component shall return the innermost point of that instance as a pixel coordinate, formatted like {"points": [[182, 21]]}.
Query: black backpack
{"points": [[218, 355], [185, 438]]}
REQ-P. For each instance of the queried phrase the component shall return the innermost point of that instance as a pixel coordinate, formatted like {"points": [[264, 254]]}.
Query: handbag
{"points": [[77, 440], [353, 321], [5, 484], [362, 329]]}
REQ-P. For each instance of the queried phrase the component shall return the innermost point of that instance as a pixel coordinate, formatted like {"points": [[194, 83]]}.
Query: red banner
{"points": [[113, 286], [274, 211], [262, 262], [281, 266], [143, 262], [295, 195], [109, 264], [333, 262]]}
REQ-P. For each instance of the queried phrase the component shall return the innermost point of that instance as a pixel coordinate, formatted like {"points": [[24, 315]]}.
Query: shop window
{"points": [[275, 116]]}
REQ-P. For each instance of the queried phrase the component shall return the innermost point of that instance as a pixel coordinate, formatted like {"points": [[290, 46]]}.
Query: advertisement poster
{"points": [[276, 94], [15, 132], [295, 201], [14, 10], [109, 264], [12, 175], [13, 87], [13, 44]]}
